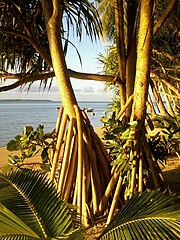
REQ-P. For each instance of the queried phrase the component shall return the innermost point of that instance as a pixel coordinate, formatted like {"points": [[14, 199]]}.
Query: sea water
{"points": [[14, 115]]}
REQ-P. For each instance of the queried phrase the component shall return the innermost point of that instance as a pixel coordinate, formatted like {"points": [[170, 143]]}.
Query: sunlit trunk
{"points": [[143, 61], [80, 165], [141, 150], [53, 18], [131, 51], [119, 22]]}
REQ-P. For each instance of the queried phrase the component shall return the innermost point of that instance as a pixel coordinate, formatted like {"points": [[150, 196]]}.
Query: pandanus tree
{"points": [[79, 178], [32, 33], [164, 60], [131, 26]]}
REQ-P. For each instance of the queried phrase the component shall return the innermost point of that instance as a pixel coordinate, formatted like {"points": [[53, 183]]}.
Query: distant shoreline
{"points": [[25, 100], [48, 101]]}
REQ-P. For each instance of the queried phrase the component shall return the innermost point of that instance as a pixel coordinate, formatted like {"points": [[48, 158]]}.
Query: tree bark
{"points": [[131, 51], [143, 60], [119, 22]]}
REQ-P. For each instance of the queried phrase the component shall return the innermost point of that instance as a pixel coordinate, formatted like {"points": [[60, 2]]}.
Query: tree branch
{"points": [[169, 95], [157, 78], [163, 53], [73, 74], [164, 16], [96, 77]]}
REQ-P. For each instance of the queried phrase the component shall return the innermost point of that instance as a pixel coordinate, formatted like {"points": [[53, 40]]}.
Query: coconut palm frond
{"points": [[152, 215], [34, 200]]}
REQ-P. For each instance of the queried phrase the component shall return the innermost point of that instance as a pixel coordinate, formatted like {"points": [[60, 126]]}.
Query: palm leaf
{"points": [[34, 200], [10, 223], [152, 215]]}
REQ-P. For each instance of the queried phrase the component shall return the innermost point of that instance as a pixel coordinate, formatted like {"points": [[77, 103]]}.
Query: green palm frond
{"points": [[9, 223], [152, 215], [17, 22], [33, 199], [17, 26]]}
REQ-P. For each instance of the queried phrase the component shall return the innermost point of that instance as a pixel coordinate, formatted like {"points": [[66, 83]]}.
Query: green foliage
{"points": [[158, 147], [167, 38], [106, 11], [110, 66], [23, 20], [31, 208], [16, 52], [109, 60], [152, 215], [119, 142], [24, 43], [166, 140], [30, 143]]}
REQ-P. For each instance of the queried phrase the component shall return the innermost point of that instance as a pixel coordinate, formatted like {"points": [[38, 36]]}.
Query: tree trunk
{"points": [[143, 60], [144, 50], [80, 165], [131, 51], [53, 18], [119, 22]]}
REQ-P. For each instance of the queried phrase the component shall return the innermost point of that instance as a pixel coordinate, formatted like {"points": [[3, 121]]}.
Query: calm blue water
{"points": [[14, 115]]}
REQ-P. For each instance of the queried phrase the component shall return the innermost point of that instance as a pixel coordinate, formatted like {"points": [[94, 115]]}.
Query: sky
{"points": [[85, 90]]}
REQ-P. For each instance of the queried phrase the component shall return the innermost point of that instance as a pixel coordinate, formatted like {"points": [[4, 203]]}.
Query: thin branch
{"points": [[170, 69], [174, 78], [164, 16], [123, 109], [24, 80], [96, 77], [166, 82], [169, 95], [160, 64], [165, 54], [73, 74]]}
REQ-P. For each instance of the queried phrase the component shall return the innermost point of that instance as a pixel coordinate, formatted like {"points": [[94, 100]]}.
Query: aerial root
{"points": [[80, 164], [81, 168]]}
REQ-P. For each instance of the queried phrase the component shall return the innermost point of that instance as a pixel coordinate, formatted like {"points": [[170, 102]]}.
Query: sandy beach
{"points": [[4, 156]]}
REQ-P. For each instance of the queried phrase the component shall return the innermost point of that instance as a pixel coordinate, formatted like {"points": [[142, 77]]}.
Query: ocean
{"points": [[15, 114]]}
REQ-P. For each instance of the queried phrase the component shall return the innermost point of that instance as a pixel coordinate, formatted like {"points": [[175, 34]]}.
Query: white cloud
{"points": [[78, 90], [89, 89]]}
